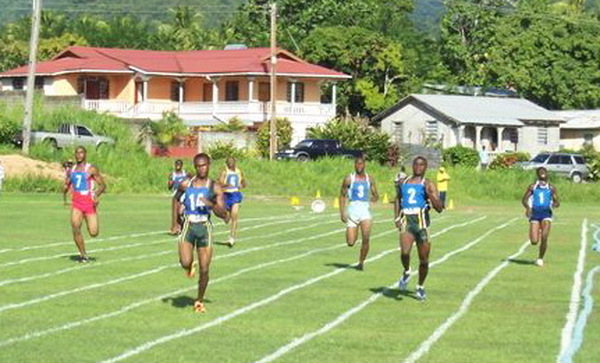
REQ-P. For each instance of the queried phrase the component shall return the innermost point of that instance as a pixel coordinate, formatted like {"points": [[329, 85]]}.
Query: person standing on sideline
{"points": [[538, 200], [411, 211], [484, 158], [360, 191], [176, 177], [201, 197], [86, 186], [232, 179], [442, 184]]}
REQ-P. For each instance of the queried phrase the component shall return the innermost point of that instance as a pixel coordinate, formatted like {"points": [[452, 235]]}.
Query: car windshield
{"points": [[540, 158], [305, 143]]}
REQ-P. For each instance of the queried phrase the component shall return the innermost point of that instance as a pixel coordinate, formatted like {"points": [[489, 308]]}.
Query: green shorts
{"points": [[416, 224], [198, 234]]}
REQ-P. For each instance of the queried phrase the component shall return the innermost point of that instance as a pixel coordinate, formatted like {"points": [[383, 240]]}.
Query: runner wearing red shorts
{"points": [[86, 185]]}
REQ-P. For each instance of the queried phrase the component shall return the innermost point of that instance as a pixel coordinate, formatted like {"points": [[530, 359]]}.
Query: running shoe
{"points": [[83, 259], [403, 282], [539, 262], [199, 307], [360, 267], [231, 242], [192, 271], [420, 292]]}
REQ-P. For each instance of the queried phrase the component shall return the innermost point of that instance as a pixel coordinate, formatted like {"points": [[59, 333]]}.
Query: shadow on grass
{"points": [[520, 261], [223, 244], [393, 293], [77, 258], [342, 265], [182, 301]]}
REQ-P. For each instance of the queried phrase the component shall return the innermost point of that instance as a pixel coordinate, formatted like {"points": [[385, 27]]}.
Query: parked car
{"points": [[567, 165], [67, 135], [311, 149]]}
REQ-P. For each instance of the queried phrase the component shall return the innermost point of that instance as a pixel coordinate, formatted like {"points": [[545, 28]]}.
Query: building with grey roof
{"points": [[581, 128], [499, 124]]}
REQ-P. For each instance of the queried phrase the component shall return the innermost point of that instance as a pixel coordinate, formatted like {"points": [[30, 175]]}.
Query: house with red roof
{"points": [[204, 87]]}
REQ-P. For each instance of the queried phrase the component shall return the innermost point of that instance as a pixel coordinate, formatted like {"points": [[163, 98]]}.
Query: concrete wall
{"points": [[528, 139], [573, 139], [241, 140]]}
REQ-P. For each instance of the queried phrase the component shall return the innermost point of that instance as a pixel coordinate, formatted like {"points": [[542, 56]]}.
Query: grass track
{"points": [[517, 317]]}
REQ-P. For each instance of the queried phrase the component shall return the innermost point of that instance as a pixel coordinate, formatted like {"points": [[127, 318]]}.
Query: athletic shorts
{"points": [[198, 234], [358, 212], [540, 215], [416, 224], [233, 198], [85, 205]]}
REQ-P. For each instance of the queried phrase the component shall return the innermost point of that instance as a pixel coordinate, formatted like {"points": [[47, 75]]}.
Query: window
{"points": [[541, 158], [232, 91], [579, 160], [565, 160], [175, 91], [398, 132], [554, 159], [82, 131], [80, 85], [103, 88], [305, 143], [330, 144], [431, 130], [588, 139], [264, 91], [542, 135], [299, 94], [18, 83], [39, 83]]}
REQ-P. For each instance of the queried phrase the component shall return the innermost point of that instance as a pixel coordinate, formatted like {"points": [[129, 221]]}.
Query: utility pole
{"points": [[33, 46], [273, 123]]}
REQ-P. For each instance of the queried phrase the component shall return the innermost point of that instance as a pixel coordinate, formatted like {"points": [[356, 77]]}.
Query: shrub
{"points": [[460, 155], [356, 135], [223, 150], [168, 129], [507, 160], [234, 124], [284, 136], [8, 128]]}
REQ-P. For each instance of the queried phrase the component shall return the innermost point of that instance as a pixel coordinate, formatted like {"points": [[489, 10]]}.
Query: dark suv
{"points": [[310, 149]]}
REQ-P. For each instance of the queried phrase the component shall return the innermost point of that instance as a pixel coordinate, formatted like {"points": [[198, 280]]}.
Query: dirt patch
{"points": [[20, 166]]}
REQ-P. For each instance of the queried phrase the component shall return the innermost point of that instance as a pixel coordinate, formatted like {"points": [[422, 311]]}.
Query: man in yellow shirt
{"points": [[442, 184]]}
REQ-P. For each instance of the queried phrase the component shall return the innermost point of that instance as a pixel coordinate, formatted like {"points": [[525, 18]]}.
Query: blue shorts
{"points": [[233, 198], [539, 215]]}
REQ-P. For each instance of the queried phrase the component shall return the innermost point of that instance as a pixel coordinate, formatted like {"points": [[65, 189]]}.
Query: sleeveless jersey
{"points": [[195, 209], [233, 180], [414, 197], [177, 178], [81, 181], [541, 197], [359, 190]]}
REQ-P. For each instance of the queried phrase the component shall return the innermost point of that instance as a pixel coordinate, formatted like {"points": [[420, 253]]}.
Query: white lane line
{"points": [[153, 271], [133, 245], [132, 235], [567, 332], [141, 257], [127, 308], [186, 332], [349, 313], [462, 310], [588, 306]]}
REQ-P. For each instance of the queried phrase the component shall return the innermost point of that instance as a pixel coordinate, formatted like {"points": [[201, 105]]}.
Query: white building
{"points": [[581, 128]]}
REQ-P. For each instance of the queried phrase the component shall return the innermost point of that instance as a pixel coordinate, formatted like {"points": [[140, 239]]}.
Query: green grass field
{"points": [[285, 291]]}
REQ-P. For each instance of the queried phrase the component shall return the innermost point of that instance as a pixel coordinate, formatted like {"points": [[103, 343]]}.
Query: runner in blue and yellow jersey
{"points": [[357, 193], [176, 177], [233, 181], [414, 197], [538, 200], [201, 196]]}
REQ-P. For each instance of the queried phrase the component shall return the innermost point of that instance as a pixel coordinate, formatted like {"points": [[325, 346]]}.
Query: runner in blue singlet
{"points": [[538, 200], [357, 193]]}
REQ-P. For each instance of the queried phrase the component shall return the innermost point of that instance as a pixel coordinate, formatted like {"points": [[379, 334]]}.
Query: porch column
{"points": [[499, 131], [215, 95], [334, 96], [250, 89], [145, 81], [461, 135], [478, 137], [293, 94]]}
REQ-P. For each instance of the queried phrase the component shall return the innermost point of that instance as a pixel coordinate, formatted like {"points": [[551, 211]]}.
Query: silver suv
{"points": [[571, 166]]}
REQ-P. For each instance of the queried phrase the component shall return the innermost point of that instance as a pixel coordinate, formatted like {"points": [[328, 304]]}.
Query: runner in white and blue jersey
{"points": [[357, 193], [176, 177], [233, 180], [415, 195], [539, 200], [201, 197]]}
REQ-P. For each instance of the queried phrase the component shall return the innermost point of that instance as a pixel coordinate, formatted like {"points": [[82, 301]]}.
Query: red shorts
{"points": [[84, 204]]}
